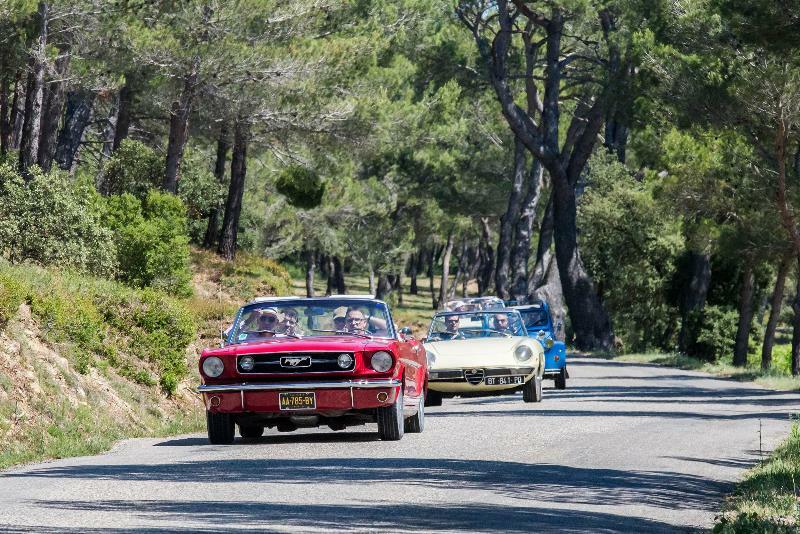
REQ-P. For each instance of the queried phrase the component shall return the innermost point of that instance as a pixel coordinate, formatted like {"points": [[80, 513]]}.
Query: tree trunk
{"points": [[774, 312], [29, 144], [508, 221], [17, 111], [52, 110], [745, 315], [103, 185], [233, 205], [77, 113], [431, 265], [126, 95], [179, 130], [311, 263], [537, 277], [796, 328], [384, 287], [448, 250], [331, 282], [372, 287], [212, 231], [693, 296], [5, 125], [460, 269], [338, 275], [520, 253], [412, 273], [550, 291], [486, 252]]}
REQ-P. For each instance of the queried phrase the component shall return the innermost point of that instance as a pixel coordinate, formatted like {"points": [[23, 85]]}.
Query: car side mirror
{"points": [[223, 338], [406, 332]]}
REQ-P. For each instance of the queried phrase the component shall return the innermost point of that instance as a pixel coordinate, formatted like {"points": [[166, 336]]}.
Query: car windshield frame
{"points": [[520, 332], [539, 310], [304, 303]]}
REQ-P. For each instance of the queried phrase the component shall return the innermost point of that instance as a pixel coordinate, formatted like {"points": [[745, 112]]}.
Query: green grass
{"points": [[767, 499]]}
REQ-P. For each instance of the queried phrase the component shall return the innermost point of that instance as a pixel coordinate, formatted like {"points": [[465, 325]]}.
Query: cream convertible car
{"points": [[479, 353]]}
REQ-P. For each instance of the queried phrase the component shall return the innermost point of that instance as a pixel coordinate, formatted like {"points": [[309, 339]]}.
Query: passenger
{"points": [[267, 323], [501, 323], [289, 324]]}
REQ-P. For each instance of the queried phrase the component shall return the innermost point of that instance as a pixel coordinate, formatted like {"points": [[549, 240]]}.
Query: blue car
{"points": [[539, 324]]}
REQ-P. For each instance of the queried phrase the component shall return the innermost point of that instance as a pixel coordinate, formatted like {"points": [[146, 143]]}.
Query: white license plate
{"points": [[504, 380]]}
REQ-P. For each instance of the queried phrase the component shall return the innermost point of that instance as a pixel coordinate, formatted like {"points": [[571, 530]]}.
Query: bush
{"points": [[200, 191], [133, 168], [52, 221], [302, 187], [12, 295], [716, 332], [152, 246]]}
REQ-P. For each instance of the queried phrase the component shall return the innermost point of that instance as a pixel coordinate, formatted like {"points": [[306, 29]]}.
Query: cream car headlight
{"points": [[381, 361], [213, 367], [523, 353]]}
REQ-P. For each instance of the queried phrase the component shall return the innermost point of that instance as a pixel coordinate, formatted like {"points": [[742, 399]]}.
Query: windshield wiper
{"points": [[273, 332], [345, 332], [499, 332]]}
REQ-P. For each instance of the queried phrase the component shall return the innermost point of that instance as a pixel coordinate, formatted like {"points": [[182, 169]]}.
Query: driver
{"points": [[289, 324], [501, 323], [451, 324], [355, 321]]}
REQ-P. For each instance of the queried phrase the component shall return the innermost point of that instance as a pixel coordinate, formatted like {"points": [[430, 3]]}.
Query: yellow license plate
{"points": [[297, 401]]}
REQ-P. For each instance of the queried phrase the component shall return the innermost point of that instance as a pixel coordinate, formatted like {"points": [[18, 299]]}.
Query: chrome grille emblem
{"points": [[474, 376], [295, 361]]}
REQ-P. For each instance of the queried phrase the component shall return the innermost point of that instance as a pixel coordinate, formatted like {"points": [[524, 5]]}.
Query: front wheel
{"points": [[221, 429], [561, 379], [416, 423], [532, 390], [391, 425]]}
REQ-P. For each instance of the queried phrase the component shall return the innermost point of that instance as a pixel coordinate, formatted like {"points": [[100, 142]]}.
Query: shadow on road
{"points": [[282, 439], [535, 482], [379, 517]]}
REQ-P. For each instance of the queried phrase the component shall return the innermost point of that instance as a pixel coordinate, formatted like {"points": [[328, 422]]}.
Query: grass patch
{"points": [[246, 277], [767, 499]]}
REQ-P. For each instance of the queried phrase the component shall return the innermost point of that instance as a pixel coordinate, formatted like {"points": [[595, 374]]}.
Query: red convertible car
{"points": [[290, 363]]}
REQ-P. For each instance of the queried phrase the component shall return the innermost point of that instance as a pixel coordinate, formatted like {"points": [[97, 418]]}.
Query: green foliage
{"points": [[12, 294], [302, 187], [50, 220], [716, 332], [152, 244], [630, 244], [200, 191], [133, 168]]}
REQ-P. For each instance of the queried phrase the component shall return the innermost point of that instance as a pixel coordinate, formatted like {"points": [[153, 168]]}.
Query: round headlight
{"points": [[548, 343], [345, 360], [247, 363], [213, 367], [381, 361], [523, 353]]}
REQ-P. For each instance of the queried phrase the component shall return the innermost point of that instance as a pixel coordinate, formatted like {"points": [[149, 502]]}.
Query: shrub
{"points": [[133, 168], [716, 333], [200, 191], [12, 295], [152, 246], [52, 221], [302, 187]]}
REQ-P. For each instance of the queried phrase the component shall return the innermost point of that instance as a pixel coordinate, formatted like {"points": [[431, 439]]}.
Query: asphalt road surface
{"points": [[626, 448]]}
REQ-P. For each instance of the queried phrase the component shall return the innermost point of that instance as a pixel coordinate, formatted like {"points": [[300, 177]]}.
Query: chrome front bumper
{"points": [[275, 386]]}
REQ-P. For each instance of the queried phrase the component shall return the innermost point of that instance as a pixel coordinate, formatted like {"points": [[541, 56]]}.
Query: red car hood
{"points": [[288, 344]]}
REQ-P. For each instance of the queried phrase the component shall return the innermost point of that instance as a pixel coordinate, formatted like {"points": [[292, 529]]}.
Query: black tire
{"points": [[433, 398], [391, 425], [251, 431], [416, 423], [561, 379], [221, 429], [532, 390]]}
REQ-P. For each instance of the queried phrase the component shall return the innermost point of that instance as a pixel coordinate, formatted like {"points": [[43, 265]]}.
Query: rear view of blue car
{"points": [[540, 326]]}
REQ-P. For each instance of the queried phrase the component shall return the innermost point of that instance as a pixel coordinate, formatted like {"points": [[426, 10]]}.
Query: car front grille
{"points": [[296, 362], [474, 376]]}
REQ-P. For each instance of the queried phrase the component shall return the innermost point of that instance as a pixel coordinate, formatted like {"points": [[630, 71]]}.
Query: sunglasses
{"points": [[355, 319], [268, 319]]}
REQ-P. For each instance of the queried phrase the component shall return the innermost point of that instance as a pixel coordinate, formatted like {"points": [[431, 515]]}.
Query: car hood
{"points": [[470, 352], [288, 344]]}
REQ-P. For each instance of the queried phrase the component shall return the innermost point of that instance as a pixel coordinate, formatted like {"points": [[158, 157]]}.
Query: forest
{"points": [[635, 163]]}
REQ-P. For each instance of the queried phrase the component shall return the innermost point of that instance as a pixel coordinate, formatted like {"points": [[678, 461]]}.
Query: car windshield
{"points": [[534, 317], [468, 325], [474, 304], [311, 318]]}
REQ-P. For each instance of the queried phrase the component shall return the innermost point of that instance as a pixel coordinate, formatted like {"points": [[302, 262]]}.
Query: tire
{"points": [[433, 398], [416, 423], [391, 425], [532, 390], [221, 429], [561, 379], [251, 432]]}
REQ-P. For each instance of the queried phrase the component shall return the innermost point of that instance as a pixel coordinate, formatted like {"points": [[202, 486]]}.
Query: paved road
{"points": [[630, 448]]}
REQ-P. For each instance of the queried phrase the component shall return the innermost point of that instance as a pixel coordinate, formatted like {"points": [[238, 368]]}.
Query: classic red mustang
{"points": [[290, 363]]}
